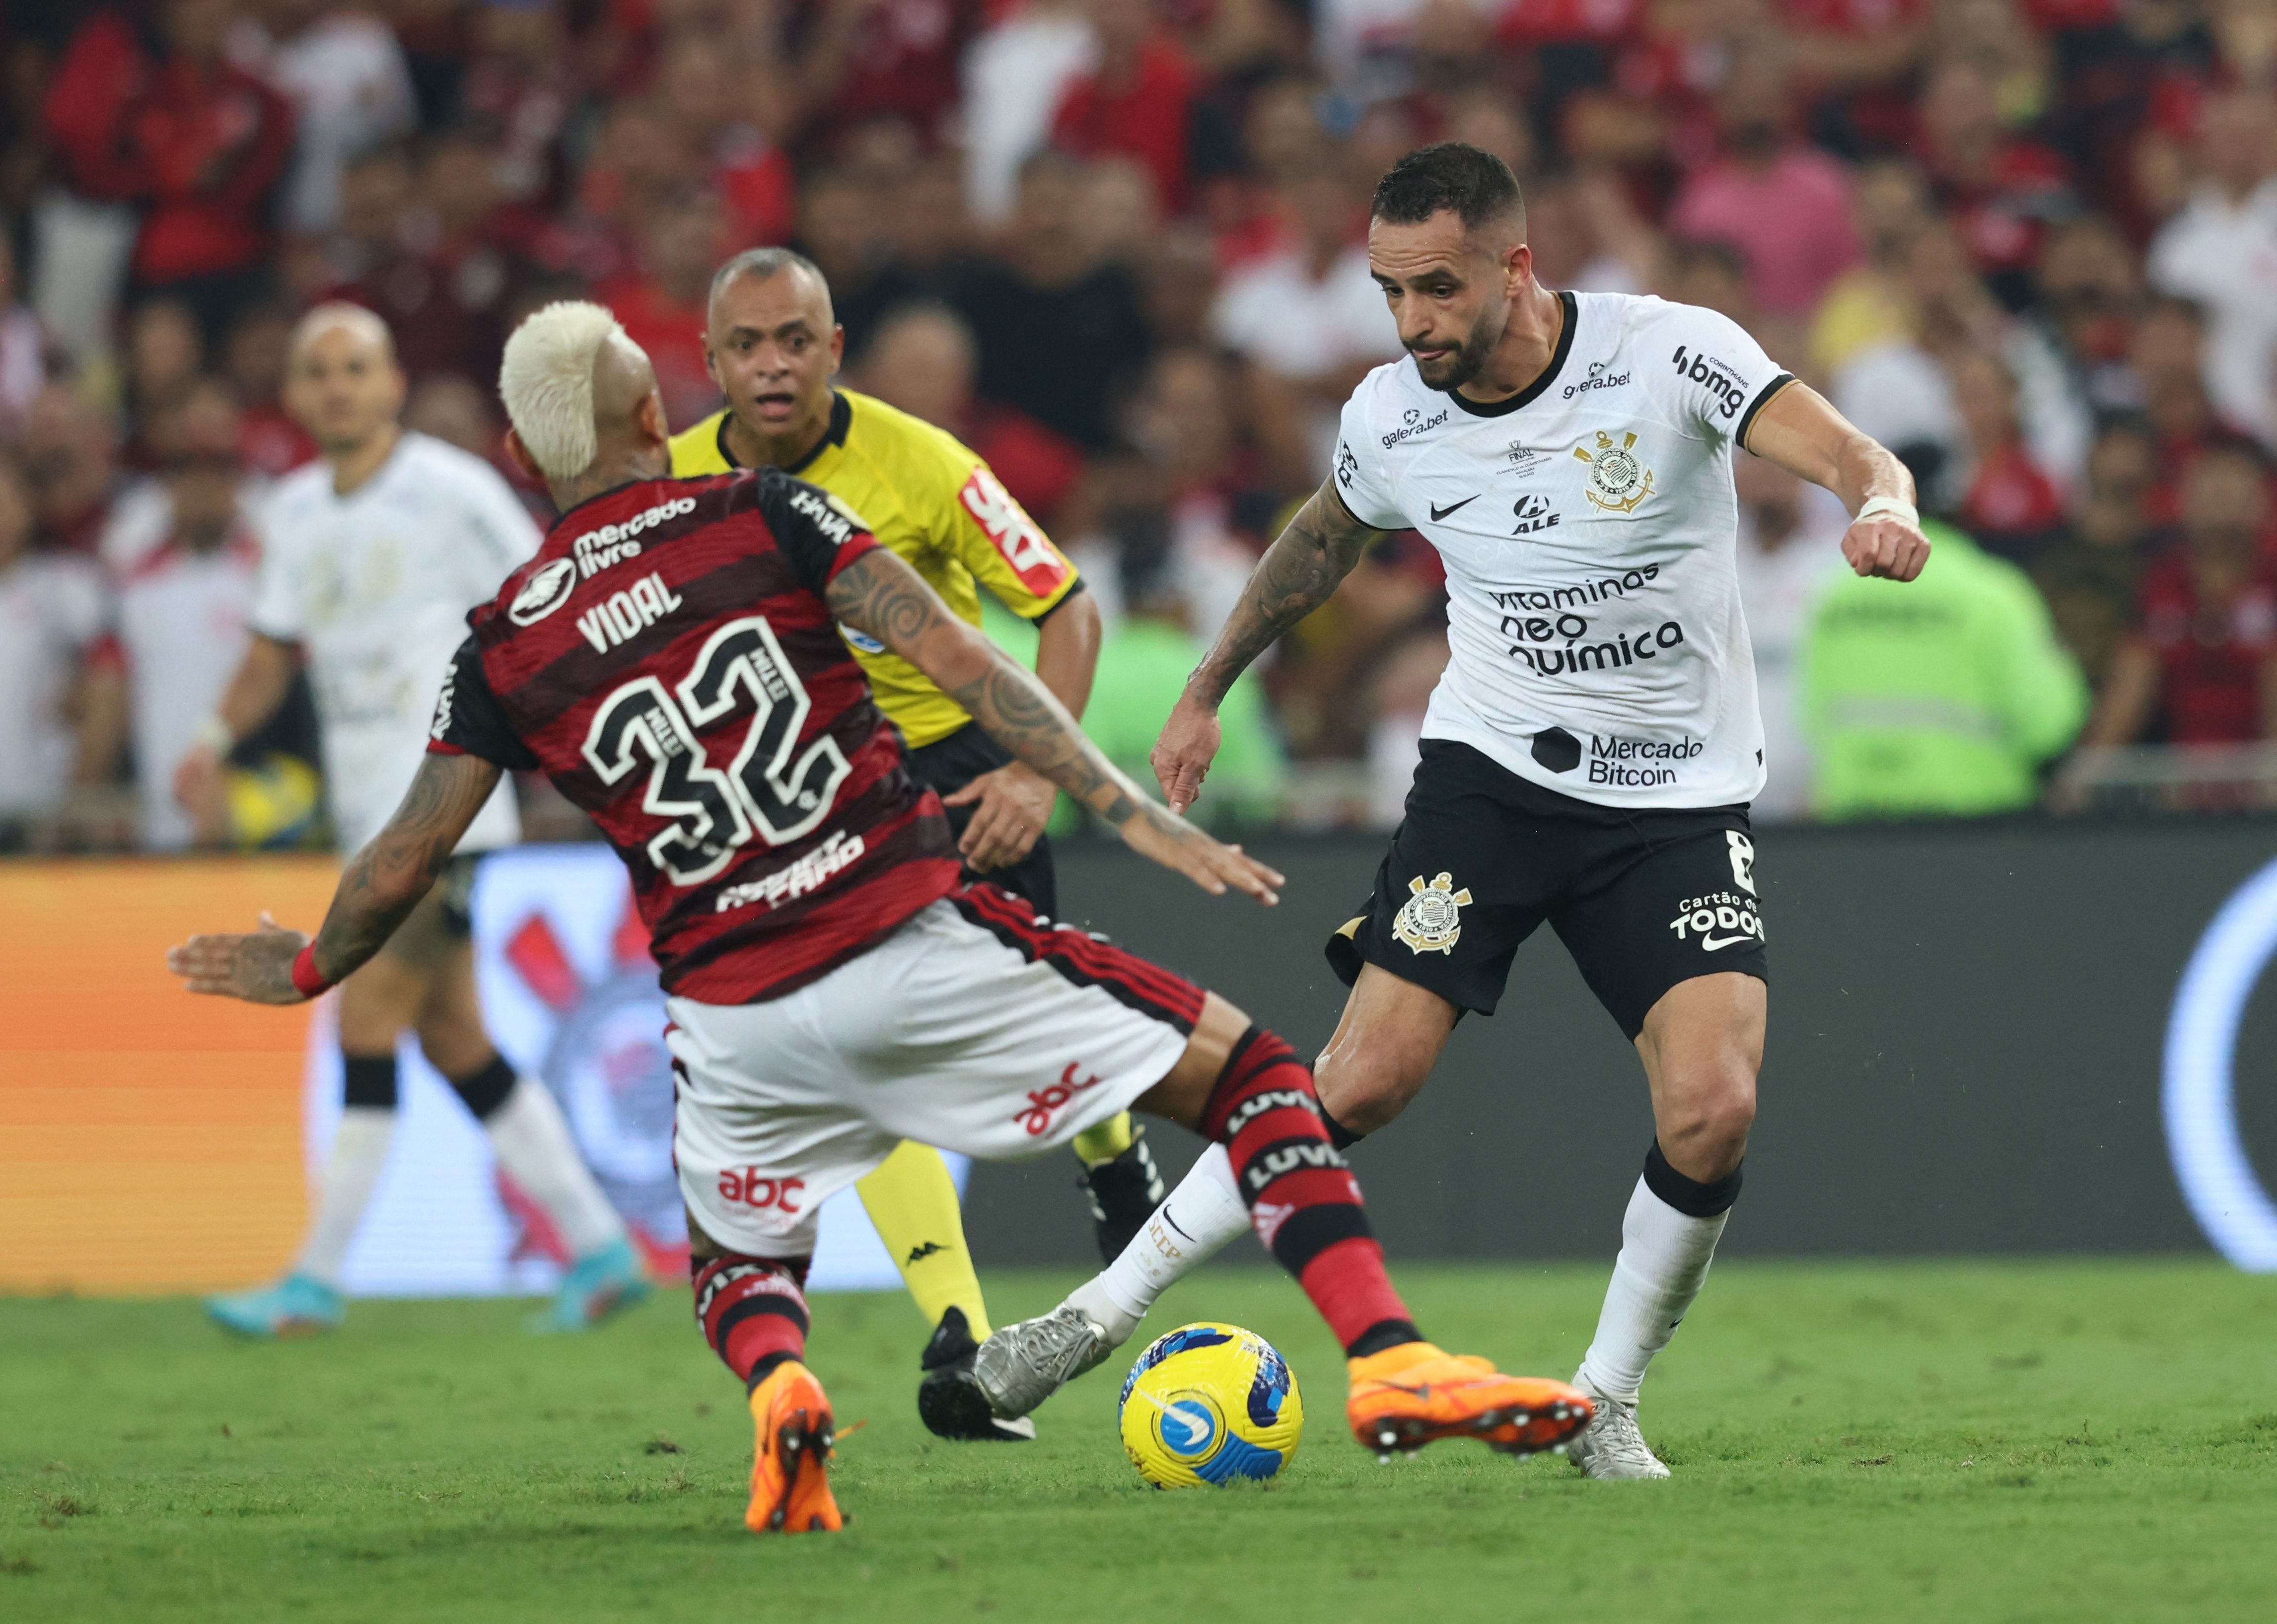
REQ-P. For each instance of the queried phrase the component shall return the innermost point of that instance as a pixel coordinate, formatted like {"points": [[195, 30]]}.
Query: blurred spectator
{"points": [[2092, 575], [1789, 554], [2167, 360], [426, 246], [27, 354], [707, 91], [2200, 665], [1014, 77], [1136, 103], [182, 556], [2221, 251], [662, 305], [1784, 205], [252, 360], [850, 61], [1940, 697], [1310, 320], [2001, 190], [519, 81], [163, 121], [923, 360], [1059, 331], [349, 87], [61, 703], [2011, 507], [165, 351], [71, 458], [1871, 303]]}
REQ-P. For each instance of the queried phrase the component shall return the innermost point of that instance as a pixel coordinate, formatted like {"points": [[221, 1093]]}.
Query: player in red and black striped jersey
{"points": [[669, 660], [732, 757]]}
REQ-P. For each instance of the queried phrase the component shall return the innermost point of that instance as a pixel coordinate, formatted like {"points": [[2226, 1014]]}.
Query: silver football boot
{"points": [[1025, 1363], [1610, 1446]]}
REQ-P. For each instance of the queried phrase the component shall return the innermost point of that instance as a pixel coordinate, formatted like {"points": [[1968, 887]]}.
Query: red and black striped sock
{"points": [[753, 1311], [1303, 1200]]}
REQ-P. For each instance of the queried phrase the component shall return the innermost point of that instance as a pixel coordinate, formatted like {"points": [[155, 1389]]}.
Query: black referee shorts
{"points": [[1642, 898], [947, 766]]}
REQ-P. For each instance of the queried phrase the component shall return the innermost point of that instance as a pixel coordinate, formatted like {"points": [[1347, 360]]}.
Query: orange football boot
{"points": [[1412, 1395], [790, 1493]]}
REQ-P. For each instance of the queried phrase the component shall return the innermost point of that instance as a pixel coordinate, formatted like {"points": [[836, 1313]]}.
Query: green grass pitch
{"points": [[1921, 1442]]}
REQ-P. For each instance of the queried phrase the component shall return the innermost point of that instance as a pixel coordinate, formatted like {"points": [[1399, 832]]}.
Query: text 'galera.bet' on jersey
{"points": [[1589, 527]]}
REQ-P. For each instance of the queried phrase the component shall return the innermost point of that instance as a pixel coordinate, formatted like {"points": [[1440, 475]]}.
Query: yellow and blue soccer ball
{"points": [[1210, 1404]]}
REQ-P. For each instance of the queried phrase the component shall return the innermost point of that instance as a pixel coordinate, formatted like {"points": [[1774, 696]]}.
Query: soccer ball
{"points": [[1208, 1404]]}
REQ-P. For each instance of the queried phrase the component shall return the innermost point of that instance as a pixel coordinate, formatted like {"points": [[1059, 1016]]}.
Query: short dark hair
{"points": [[1476, 185], [763, 264]]}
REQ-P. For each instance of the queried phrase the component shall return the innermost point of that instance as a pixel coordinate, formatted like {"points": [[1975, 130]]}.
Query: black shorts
{"points": [[947, 766], [1642, 898], [455, 887]]}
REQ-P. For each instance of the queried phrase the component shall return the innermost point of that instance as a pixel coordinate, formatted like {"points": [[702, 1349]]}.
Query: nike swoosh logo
{"points": [[1439, 513], [1711, 943]]}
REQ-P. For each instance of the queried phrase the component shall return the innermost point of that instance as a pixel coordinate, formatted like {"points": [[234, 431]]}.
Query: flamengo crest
{"points": [[1431, 920]]}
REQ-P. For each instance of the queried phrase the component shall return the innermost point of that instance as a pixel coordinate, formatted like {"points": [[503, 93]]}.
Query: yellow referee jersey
{"points": [[934, 503]]}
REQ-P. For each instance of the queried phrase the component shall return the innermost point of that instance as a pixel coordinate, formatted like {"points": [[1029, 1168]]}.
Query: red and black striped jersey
{"points": [[668, 662]]}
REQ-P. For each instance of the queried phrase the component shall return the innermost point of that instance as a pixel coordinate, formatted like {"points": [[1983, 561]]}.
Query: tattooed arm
{"points": [[880, 594], [1298, 574], [383, 882]]}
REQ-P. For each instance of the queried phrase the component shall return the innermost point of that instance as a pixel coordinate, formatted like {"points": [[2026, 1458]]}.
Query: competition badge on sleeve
{"points": [[1431, 920]]}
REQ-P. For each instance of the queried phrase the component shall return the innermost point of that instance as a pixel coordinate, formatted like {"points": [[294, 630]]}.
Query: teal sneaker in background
{"points": [[597, 1285], [297, 1306]]}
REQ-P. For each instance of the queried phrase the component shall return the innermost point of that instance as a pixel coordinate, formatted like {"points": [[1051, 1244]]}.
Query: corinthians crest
{"points": [[1431, 920], [1618, 481]]}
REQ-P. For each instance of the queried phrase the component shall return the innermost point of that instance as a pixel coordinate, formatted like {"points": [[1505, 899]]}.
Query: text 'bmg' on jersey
{"points": [[668, 662], [1589, 529]]}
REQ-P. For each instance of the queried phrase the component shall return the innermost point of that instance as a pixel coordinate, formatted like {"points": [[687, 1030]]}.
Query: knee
{"points": [[1708, 1113]]}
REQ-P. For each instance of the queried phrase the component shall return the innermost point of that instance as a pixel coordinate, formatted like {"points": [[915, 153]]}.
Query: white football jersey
{"points": [[1588, 527], [375, 586]]}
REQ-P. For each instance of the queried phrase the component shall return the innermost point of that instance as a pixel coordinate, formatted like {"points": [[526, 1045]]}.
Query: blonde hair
{"points": [[546, 381]]}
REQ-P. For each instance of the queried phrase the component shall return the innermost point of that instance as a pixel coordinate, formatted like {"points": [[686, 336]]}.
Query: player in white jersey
{"points": [[1590, 753], [371, 557]]}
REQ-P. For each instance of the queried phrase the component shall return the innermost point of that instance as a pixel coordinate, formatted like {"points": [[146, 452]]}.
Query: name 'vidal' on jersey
{"points": [[667, 660], [1589, 529]]}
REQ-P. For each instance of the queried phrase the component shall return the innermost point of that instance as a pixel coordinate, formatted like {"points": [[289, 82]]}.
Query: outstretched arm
{"points": [[1801, 430], [383, 882], [880, 594], [1298, 574]]}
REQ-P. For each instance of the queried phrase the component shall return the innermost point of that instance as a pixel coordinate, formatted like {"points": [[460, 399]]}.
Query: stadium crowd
{"points": [[1118, 248]]}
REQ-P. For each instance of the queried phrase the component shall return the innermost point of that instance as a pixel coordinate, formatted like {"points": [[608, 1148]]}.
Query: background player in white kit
{"points": [[371, 557], [1589, 752]]}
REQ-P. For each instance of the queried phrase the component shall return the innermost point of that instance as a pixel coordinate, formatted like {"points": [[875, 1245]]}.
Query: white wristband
{"points": [[213, 734], [1890, 506]]}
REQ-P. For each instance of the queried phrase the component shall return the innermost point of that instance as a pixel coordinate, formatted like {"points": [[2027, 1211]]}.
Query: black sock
{"points": [[368, 1081], [1689, 1196], [1381, 1335], [1342, 1137], [487, 1089]]}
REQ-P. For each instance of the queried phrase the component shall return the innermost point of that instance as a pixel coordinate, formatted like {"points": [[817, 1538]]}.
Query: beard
{"points": [[1451, 372]]}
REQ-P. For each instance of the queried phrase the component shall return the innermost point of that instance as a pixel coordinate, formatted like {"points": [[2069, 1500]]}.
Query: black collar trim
{"points": [[1533, 391], [842, 419]]}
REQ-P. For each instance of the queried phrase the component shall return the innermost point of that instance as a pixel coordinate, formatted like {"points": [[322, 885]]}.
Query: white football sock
{"points": [[1191, 1226], [1665, 1257], [532, 1141], [359, 1152]]}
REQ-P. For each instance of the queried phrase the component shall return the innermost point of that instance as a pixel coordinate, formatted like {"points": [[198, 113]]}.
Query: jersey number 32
{"points": [[714, 811]]}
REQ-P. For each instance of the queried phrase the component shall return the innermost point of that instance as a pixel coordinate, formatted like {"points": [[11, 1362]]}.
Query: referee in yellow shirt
{"points": [[774, 344]]}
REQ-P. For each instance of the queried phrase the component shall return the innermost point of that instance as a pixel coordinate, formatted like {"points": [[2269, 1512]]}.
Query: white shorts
{"points": [[976, 1027]]}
